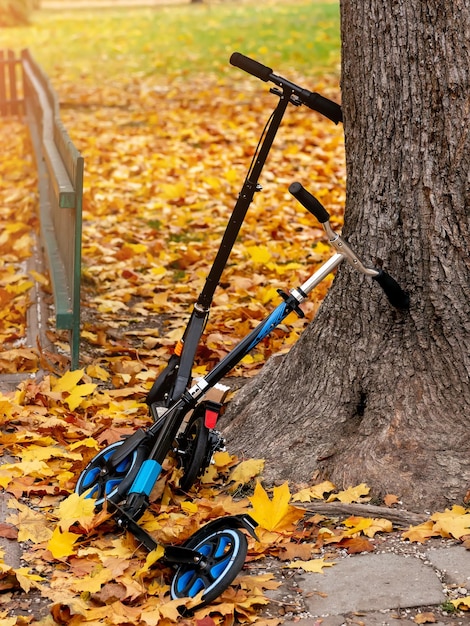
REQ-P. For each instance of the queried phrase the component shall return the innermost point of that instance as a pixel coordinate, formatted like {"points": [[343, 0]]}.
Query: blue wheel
{"points": [[223, 555], [104, 483]]}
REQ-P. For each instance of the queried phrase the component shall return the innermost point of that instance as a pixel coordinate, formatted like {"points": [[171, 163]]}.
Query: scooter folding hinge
{"points": [[291, 302]]}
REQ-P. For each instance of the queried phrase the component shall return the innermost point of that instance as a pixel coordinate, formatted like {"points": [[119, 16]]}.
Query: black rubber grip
{"points": [[395, 294], [251, 66], [322, 105], [313, 205]]}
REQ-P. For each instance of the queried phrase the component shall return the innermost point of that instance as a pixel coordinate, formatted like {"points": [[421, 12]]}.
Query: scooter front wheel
{"points": [[223, 554], [104, 482]]}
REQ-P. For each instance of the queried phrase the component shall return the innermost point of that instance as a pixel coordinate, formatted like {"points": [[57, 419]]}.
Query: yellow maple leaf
{"points": [[356, 525], [89, 442], [314, 565], [152, 557], [210, 475], [420, 533], [462, 603], [276, 514], [223, 460], [26, 580], [76, 508], [379, 525], [96, 371], [93, 582], [189, 507], [62, 544], [453, 522], [78, 393], [43, 453], [317, 492], [34, 467], [32, 526], [173, 191], [68, 381], [259, 254], [353, 494], [245, 471], [40, 278]]}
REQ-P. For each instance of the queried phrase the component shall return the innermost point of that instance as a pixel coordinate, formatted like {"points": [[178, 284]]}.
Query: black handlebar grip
{"points": [[395, 294], [322, 105], [251, 66], [313, 205]]}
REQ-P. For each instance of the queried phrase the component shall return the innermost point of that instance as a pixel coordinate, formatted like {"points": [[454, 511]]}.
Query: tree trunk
{"points": [[370, 394]]}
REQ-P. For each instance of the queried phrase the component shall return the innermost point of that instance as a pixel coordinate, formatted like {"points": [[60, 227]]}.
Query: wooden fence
{"points": [[26, 91]]}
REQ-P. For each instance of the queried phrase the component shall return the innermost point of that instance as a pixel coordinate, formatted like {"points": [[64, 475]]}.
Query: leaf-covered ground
{"points": [[18, 224]]}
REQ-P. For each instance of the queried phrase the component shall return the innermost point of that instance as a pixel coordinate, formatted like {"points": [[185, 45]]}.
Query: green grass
{"points": [[190, 38]]}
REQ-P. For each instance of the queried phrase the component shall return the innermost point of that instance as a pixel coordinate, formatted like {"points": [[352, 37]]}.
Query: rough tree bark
{"points": [[370, 394]]}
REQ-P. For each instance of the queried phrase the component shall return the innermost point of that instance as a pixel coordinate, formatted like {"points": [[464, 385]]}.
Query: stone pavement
{"points": [[379, 589], [373, 589]]}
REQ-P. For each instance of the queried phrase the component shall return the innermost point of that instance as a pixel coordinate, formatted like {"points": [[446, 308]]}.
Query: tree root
{"points": [[398, 517]]}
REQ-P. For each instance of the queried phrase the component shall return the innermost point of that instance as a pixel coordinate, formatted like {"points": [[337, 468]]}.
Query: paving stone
{"points": [[371, 582], [454, 563]]}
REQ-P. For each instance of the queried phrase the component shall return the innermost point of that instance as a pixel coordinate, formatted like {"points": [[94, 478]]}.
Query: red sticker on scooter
{"points": [[210, 418]]}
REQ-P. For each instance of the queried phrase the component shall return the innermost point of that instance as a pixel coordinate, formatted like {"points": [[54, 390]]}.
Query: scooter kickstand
{"points": [[176, 555]]}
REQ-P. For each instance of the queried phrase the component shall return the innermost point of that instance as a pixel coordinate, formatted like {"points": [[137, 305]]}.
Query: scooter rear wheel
{"points": [[104, 483], [193, 449], [223, 556]]}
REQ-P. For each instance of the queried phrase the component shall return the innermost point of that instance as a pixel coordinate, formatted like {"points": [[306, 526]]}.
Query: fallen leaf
{"points": [[356, 545], [420, 533], [245, 472], [317, 492], [424, 618], [353, 494], [76, 509], [453, 522], [62, 544], [462, 603], [276, 514], [315, 565], [390, 500]]}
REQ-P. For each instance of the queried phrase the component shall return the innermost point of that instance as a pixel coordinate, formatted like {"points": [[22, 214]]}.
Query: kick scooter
{"points": [[124, 473]]}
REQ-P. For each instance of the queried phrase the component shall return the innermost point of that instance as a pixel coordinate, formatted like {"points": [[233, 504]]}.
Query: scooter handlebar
{"points": [[313, 100], [251, 66], [395, 294], [314, 206]]}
